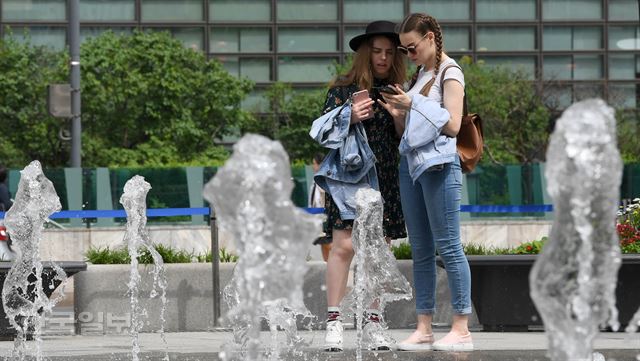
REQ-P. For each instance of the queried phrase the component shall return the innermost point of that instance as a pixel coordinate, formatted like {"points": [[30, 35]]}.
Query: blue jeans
{"points": [[431, 209]]}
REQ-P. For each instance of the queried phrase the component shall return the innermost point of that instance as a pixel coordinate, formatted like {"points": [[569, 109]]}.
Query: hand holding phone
{"points": [[388, 89], [362, 108]]}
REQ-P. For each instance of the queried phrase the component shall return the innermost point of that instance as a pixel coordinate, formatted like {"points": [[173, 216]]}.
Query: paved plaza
{"points": [[490, 346]]}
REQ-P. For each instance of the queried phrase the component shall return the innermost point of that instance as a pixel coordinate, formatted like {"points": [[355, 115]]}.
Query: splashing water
{"points": [[573, 280], [136, 237], [252, 197], [377, 278], [23, 296]]}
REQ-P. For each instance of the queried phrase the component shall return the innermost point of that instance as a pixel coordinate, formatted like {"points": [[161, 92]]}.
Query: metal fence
{"points": [[510, 191]]}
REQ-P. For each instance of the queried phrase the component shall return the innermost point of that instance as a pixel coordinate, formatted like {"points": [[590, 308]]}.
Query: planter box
{"points": [[49, 285], [102, 306], [500, 291]]}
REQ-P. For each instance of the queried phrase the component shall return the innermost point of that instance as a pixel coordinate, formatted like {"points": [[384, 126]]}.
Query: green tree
{"points": [[516, 121], [149, 101], [628, 129], [290, 118], [291, 113], [28, 132]]}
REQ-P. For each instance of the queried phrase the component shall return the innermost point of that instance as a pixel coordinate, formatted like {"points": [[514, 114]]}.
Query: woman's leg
{"points": [[338, 264], [443, 193], [423, 253]]}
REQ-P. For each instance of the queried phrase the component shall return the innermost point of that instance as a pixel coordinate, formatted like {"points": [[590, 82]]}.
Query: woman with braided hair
{"points": [[431, 180]]}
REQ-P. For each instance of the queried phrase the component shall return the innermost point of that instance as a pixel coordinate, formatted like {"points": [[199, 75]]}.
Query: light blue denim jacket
{"points": [[350, 164], [422, 142]]}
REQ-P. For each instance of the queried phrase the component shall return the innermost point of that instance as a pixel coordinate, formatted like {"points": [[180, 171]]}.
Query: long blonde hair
{"points": [[360, 72]]}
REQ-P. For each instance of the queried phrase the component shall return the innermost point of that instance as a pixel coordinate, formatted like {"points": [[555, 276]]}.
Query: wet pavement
{"points": [[200, 346]]}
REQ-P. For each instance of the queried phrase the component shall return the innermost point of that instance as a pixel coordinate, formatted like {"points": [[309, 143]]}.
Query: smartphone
{"points": [[361, 96], [386, 89]]}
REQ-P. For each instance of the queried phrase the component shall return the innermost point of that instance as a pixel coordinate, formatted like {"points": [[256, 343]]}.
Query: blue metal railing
{"points": [[205, 211]]}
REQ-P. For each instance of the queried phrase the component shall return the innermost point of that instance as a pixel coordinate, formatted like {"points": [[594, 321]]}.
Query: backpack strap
{"points": [[464, 98]]}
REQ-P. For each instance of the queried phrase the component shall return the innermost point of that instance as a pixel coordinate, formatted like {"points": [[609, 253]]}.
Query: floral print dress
{"points": [[383, 141]]}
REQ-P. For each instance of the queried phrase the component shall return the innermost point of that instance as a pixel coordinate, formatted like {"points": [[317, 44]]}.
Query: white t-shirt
{"points": [[435, 92]]}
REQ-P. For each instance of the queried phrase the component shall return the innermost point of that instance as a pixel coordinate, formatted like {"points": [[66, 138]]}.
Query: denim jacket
{"points": [[350, 164], [422, 141]]}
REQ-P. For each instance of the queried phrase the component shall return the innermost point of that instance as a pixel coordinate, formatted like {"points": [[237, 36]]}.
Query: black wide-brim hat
{"points": [[381, 27]]}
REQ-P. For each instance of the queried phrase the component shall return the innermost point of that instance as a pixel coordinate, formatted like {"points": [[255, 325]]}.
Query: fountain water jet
{"points": [[377, 277], [574, 278], [136, 237], [252, 197], [23, 296]]}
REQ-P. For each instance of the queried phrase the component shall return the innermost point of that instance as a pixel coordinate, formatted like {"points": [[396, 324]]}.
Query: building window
{"points": [[314, 40], [17, 10], [558, 96], [443, 9], [191, 38], [349, 33], [256, 69], [240, 10], [456, 38], [312, 70], [495, 38], [587, 91], [107, 10], [240, 40], [256, 102], [172, 10], [576, 67], [369, 10], [624, 67], [624, 38], [317, 10], [623, 10], [87, 32], [572, 9], [52, 37], [623, 95], [506, 9], [572, 38], [526, 64]]}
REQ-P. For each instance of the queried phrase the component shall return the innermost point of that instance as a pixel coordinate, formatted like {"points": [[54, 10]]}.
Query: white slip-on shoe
{"points": [[416, 342], [453, 342]]}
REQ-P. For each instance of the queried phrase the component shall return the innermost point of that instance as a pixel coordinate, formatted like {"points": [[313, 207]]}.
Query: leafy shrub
{"points": [[108, 256], [120, 255], [402, 251], [225, 256], [628, 227], [473, 249], [533, 247]]}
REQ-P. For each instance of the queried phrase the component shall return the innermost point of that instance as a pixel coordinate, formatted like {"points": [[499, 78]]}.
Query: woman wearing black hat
{"points": [[376, 63]]}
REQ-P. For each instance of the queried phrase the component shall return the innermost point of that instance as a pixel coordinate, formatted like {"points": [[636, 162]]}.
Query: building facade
{"points": [[585, 47]]}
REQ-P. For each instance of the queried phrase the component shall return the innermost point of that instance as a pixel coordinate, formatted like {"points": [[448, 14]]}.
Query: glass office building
{"points": [[586, 47]]}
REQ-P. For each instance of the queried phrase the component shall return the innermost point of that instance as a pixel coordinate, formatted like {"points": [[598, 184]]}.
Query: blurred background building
{"points": [[586, 47]]}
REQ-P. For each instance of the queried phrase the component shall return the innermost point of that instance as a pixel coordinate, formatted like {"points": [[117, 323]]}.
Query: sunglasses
{"points": [[411, 48]]}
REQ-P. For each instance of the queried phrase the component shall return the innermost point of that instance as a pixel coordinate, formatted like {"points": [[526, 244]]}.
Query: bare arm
{"points": [[453, 102]]}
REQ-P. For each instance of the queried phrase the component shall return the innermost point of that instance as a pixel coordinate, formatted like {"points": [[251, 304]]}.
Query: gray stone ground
{"points": [[529, 346]]}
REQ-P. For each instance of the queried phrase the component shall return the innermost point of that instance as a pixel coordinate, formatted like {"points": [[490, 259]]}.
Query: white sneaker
{"points": [[375, 338], [333, 338]]}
